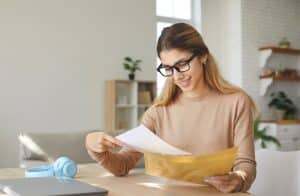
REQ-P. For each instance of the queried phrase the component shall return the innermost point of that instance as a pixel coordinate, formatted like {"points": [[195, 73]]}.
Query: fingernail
{"points": [[205, 180], [213, 178]]}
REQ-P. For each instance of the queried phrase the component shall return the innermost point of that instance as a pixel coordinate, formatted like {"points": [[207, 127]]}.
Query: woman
{"points": [[197, 111]]}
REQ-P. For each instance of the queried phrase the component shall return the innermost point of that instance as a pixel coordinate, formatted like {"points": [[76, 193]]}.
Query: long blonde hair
{"points": [[184, 37]]}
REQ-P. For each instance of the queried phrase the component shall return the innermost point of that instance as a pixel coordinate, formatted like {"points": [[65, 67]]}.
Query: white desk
{"points": [[136, 183]]}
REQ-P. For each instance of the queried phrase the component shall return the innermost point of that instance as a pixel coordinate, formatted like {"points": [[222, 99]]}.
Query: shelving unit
{"points": [[265, 55], [286, 131], [125, 103]]}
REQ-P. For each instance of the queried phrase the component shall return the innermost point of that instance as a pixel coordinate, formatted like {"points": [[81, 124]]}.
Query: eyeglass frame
{"points": [[188, 61]]}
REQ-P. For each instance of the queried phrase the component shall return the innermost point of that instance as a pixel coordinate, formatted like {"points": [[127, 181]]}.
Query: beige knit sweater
{"points": [[198, 125]]}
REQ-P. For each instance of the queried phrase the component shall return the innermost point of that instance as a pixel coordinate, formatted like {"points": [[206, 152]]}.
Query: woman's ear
{"points": [[203, 59]]}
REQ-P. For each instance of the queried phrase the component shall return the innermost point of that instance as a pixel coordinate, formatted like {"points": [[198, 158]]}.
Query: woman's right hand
{"points": [[100, 142]]}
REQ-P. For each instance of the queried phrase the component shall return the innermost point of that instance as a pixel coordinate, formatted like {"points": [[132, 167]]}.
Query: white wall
{"points": [[55, 56], [221, 29], [235, 29], [265, 22]]}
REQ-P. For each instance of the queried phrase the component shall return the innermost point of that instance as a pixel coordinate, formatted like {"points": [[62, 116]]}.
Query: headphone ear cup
{"points": [[57, 165], [65, 167]]}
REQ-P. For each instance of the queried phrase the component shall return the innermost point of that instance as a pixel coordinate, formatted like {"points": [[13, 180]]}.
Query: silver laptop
{"points": [[48, 186]]}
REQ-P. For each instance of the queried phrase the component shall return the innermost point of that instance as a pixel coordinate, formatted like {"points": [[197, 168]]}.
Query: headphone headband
{"points": [[61, 167]]}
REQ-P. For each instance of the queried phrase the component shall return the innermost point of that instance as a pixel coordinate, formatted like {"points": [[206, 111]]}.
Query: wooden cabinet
{"points": [[125, 103]]}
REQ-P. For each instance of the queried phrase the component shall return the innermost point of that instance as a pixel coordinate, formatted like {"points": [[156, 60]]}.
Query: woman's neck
{"points": [[200, 91]]}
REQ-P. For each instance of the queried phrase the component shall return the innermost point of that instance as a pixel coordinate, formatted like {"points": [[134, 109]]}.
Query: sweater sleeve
{"points": [[150, 118], [118, 163], [245, 164]]}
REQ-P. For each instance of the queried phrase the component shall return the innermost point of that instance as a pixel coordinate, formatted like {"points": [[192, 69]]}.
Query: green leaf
{"points": [[282, 102], [128, 59], [261, 134], [126, 66], [131, 65]]}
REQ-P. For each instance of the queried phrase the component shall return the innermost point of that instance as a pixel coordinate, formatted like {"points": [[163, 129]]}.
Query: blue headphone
{"points": [[63, 166]]}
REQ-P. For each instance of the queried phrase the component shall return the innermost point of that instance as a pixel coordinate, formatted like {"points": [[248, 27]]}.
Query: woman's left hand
{"points": [[228, 183]]}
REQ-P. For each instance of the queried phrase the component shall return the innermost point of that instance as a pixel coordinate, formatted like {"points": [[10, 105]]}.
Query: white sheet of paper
{"points": [[144, 140]]}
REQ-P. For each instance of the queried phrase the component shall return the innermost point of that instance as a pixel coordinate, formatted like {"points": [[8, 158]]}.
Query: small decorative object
{"points": [[132, 66], [144, 97], [261, 135], [266, 73], [122, 100], [284, 43], [289, 73], [278, 72], [285, 108]]}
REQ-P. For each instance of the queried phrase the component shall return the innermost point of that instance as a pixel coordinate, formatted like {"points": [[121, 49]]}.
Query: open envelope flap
{"points": [[190, 168]]}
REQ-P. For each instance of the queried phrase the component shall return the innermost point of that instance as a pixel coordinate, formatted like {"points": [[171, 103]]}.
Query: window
{"points": [[180, 9], [169, 12]]}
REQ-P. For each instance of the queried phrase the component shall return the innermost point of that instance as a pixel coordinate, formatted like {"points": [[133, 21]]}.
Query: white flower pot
{"points": [[279, 114]]}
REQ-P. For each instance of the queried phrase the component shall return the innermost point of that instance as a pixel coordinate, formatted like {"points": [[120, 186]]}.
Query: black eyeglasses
{"points": [[181, 66]]}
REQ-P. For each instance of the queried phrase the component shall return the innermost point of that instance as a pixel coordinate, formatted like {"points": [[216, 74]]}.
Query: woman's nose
{"points": [[177, 75]]}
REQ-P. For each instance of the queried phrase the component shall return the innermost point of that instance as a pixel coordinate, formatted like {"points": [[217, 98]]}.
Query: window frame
{"points": [[195, 21]]}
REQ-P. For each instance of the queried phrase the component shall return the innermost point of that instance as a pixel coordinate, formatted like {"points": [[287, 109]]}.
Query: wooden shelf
{"points": [[281, 122], [275, 49], [281, 78], [123, 105]]}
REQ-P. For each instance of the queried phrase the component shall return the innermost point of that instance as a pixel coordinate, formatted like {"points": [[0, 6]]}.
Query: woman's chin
{"points": [[186, 88]]}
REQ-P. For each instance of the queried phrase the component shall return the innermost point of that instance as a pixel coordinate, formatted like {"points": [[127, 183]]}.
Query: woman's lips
{"points": [[184, 83]]}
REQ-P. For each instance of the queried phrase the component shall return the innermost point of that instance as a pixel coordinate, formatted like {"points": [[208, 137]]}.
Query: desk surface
{"points": [[136, 183]]}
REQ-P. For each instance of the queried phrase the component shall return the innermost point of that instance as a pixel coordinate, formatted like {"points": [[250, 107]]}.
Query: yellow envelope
{"points": [[190, 168]]}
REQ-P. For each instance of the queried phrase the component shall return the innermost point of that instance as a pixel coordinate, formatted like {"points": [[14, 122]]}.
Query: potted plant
{"points": [[284, 43], [132, 66], [261, 136], [285, 108]]}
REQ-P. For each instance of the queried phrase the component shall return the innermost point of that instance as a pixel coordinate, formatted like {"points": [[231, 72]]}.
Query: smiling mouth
{"points": [[184, 83]]}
